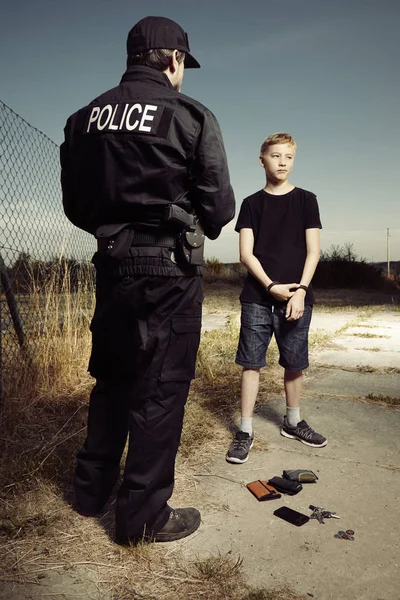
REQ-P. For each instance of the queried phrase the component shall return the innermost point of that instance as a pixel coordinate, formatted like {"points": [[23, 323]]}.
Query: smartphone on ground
{"points": [[291, 516]]}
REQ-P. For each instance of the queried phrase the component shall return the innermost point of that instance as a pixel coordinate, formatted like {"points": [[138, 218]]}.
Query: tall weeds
{"points": [[52, 362]]}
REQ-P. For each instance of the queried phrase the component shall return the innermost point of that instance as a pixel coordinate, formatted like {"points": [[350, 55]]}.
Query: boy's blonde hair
{"points": [[277, 138]]}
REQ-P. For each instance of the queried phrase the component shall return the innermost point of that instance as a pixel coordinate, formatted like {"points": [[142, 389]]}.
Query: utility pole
{"points": [[388, 251]]}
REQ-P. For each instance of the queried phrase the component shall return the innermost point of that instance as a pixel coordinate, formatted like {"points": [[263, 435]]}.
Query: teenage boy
{"points": [[279, 246]]}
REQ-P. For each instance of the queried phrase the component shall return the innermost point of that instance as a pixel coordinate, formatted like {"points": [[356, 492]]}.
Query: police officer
{"points": [[131, 155]]}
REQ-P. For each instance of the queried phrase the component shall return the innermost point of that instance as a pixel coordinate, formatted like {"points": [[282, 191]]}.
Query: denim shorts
{"points": [[258, 323]]}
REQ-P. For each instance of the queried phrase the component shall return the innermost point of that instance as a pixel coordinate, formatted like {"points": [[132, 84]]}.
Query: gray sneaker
{"points": [[239, 449], [303, 432]]}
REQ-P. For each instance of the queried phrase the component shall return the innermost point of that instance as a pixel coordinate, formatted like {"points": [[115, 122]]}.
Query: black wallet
{"points": [[285, 486]]}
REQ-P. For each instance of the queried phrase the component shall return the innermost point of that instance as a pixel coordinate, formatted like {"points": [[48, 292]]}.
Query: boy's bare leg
{"points": [[248, 391], [293, 383], [242, 443], [293, 426]]}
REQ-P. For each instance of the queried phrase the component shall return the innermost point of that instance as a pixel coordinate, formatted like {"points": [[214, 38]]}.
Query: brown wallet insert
{"points": [[263, 490]]}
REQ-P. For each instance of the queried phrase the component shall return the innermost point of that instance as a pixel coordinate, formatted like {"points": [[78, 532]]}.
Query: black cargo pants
{"points": [[145, 333]]}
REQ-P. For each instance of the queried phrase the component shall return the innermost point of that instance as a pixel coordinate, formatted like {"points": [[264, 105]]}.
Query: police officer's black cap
{"points": [[152, 33]]}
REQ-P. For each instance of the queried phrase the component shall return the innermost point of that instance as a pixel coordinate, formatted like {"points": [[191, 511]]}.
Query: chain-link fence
{"points": [[41, 252]]}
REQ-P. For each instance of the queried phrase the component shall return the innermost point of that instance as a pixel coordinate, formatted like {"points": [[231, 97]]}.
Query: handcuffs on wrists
{"points": [[271, 284], [301, 286]]}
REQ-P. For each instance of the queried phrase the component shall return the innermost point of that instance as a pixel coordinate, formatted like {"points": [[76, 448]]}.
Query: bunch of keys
{"points": [[320, 514], [346, 535]]}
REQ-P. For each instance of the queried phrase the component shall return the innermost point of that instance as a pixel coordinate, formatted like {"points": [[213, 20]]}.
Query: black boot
{"points": [[181, 522]]}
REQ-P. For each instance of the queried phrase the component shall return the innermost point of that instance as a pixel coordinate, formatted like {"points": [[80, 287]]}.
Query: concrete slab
{"points": [[366, 343], [393, 323], [212, 322], [359, 478], [372, 333], [74, 583], [325, 380], [362, 352], [357, 358], [388, 315], [331, 321], [367, 329]]}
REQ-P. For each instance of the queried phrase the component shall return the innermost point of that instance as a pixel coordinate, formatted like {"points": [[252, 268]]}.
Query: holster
{"points": [[262, 490], [191, 237], [191, 242], [114, 240]]}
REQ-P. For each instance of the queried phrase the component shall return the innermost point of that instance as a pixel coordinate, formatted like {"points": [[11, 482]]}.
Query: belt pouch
{"points": [[115, 240]]}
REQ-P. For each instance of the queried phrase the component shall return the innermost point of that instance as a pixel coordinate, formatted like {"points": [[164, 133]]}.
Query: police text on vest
{"points": [[124, 117]]}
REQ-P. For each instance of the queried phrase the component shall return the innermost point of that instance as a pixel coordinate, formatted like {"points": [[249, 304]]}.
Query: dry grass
{"points": [[53, 361], [221, 298], [384, 399], [43, 423], [348, 298], [362, 368], [369, 335]]}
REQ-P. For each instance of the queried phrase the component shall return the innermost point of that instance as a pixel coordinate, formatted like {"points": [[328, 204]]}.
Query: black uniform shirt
{"points": [[279, 224], [139, 147]]}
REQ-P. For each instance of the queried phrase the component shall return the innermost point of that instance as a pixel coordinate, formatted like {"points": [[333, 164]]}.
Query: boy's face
{"points": [[277, 161]]}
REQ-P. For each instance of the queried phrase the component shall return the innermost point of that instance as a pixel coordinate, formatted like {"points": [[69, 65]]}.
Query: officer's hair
{"points": [[277, 138], [158, 59]]}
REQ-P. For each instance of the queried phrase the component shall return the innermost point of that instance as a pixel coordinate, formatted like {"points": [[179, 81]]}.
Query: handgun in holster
{"points": [[190, 236]]}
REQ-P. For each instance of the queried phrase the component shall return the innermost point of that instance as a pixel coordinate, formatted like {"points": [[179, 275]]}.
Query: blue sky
{"points": [[327, 72]]}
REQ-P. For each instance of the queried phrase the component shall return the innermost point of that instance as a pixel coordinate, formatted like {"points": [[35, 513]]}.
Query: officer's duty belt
{"points": [[144, 238]]}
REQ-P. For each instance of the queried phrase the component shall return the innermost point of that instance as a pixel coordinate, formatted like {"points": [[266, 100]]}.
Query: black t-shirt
{"points": [[279, 224]]}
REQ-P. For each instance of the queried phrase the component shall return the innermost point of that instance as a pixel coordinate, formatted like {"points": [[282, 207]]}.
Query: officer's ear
{"points": [[174, 64], [261, 161]]}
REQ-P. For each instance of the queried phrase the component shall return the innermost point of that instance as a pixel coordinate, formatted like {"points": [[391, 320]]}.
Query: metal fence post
{"points": [[12, 305]]}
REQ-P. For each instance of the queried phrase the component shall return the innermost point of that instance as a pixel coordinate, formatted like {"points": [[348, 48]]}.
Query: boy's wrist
{"points": [[303, 287], [268, 288]]}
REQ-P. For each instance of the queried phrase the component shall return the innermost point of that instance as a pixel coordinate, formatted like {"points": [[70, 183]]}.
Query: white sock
{"points": [[246, 425], [293, 415]]}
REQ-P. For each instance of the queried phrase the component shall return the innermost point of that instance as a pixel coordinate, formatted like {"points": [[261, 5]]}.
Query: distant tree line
{"points": [[394, 267], [28, 274], [339, 267]]}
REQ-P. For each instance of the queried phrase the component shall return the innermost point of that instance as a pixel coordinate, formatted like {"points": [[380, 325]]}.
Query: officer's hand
{"points": [[283, 291]]}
